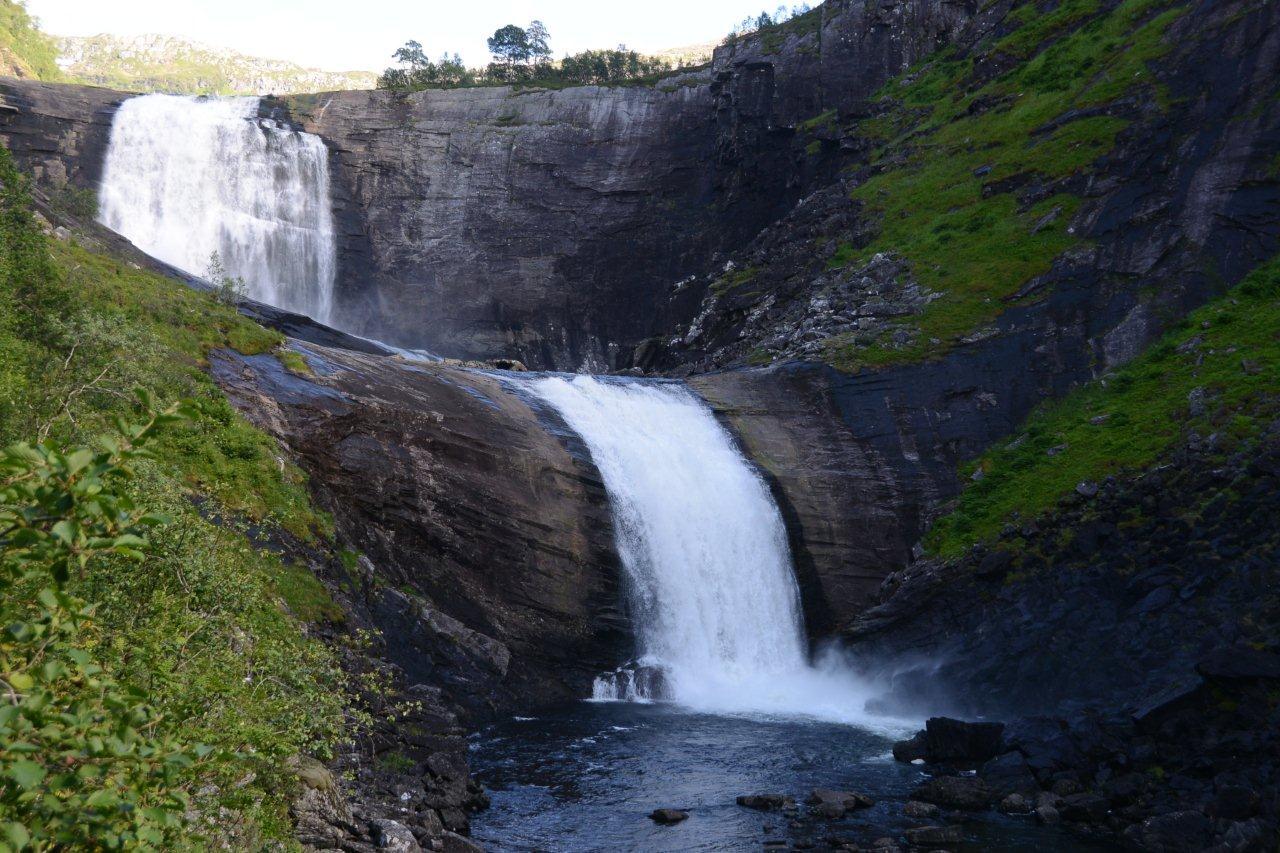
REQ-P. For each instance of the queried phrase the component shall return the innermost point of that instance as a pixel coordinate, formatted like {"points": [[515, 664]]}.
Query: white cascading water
{"points": [[713, 594], [186, 177]]}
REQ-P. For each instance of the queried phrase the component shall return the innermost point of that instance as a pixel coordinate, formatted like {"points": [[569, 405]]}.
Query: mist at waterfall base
{"points": [[186, 177], [712, 593]]}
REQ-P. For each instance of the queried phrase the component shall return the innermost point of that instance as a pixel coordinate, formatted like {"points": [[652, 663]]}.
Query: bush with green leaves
{"points": [[210, 626], [82, 763]]}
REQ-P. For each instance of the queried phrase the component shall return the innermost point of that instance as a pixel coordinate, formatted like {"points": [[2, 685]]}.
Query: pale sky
{"points": [[343, 35]]}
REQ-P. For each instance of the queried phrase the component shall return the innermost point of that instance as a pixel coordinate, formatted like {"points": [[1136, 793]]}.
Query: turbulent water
{"points": [[186, 177], [711, 587]]}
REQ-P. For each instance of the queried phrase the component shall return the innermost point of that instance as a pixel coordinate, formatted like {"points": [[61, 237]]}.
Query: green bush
{"points": [[197, 635], [82, 763]]}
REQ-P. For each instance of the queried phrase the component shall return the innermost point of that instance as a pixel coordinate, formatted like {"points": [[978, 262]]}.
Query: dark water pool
{"points": [[586, 778]]}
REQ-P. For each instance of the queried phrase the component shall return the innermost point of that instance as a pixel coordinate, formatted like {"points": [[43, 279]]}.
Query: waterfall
{"points": [[712, 591], [186, 177]]}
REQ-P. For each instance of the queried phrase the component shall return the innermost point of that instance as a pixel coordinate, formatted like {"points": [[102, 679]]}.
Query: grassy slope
{"points": [[1227, 352], [24, 50], [210, 626], [949, 135]]}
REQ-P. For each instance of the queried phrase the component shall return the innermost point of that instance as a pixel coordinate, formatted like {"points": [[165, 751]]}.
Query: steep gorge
{"points": [[698, 227]]}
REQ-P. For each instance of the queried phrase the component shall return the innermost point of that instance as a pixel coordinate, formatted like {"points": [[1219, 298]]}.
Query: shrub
{"points": [[81, 762]]}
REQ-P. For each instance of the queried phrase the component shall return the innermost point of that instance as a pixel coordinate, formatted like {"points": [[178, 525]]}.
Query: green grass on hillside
{"points": [[953, 153], [1227, 351], [207, 625], [24, 50]]}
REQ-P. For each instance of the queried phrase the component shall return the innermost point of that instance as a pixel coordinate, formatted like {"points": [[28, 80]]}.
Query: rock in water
{"points": [[666, 817], [832, 804], [935, 836], [955, 740], [955, 792], [766, 802], [923, 811], [909, 750]]}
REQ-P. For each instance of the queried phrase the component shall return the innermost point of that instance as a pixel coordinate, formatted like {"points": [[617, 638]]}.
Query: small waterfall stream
{"points": [[712, 591], [186, 177]]}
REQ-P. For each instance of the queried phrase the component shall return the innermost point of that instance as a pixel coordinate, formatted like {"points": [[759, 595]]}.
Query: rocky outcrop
{"points": [[490, 565], [1114, 598], [1137, 625], [58, 134], [857, 462], [1185, 204]]}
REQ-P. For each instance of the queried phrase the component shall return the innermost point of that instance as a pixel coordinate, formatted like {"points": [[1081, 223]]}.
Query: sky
{"points": [[343, 35]]}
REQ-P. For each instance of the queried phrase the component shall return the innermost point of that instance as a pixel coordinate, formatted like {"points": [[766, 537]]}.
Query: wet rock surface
{"points": [[1143, 643], [487, 546]]}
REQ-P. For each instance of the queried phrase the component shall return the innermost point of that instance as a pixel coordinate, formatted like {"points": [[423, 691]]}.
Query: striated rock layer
{"points": [[489, 544]]}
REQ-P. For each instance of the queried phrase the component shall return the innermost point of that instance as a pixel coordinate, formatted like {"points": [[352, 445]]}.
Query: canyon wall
{"points": [[557, 226]]}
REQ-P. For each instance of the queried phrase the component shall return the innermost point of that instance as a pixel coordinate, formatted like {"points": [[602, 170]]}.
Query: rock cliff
{"points": [[490, 568]]}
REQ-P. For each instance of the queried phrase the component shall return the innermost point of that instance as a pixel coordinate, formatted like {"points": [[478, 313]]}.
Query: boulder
{"points": [[1175, 832], [1009, 774], [955, 792], [766, 802], [393, 836], [1015, 804], [666, 817], [923, 811], [845, 799], [1048, 815], [948, 740], [1085, 808], [935, 836]]}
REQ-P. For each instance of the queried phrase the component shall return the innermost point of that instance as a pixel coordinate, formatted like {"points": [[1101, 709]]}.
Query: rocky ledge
{"points": [[1129, 640]]}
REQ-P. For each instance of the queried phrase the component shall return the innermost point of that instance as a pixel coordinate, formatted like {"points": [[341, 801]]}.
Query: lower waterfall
{"points": [[186, 177], [712, 592]]}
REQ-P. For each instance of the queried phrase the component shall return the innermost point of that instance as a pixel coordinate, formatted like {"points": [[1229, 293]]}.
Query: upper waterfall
{"points": [[713, 595], [186, 177]]}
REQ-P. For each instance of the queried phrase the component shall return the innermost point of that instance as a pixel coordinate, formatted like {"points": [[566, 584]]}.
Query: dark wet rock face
{"points": [[557, 226], [58, 134], [1185, 204], [488, 551], [1139, 627]]}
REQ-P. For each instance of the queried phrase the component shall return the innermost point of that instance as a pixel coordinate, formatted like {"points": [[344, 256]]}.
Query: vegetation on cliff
{"points": [[24, 50], [521, 56], [975, 180], [159, 670], [1216, 373]]}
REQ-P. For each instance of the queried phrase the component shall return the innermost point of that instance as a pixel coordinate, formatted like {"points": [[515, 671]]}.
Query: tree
{"points": [[412, 55], [510, 45], [539, 41], [227, 289]]}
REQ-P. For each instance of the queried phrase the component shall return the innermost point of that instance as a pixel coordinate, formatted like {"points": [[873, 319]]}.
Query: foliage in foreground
{"points": [[82, 761], [1217, 372], [199, 631]]}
